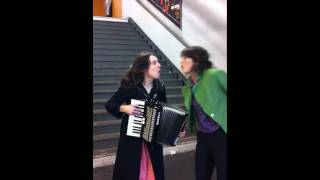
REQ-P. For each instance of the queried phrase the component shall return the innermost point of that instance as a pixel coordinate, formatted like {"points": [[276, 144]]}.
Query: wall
{"points": [[117, 8], [98, 8], [204, 23]]}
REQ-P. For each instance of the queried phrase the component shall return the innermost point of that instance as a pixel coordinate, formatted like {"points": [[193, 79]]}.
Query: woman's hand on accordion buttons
{"points": [[182, 133], [130, 110]]}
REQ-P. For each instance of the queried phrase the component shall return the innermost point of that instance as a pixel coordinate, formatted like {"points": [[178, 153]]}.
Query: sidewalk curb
{"points": [[170, 150]]}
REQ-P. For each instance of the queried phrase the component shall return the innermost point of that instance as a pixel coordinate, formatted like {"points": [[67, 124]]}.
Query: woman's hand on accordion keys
{"points": [[130, 110]]}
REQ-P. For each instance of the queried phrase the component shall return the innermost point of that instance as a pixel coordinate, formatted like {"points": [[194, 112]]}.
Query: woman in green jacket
{"points": [[205, 98]]}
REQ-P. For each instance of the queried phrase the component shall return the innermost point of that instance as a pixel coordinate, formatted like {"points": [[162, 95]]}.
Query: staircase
{"points": [[115, 45]]}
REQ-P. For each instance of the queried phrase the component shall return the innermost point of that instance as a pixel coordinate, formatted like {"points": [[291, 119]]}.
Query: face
{"points": [[154, 68], [186, 64]]}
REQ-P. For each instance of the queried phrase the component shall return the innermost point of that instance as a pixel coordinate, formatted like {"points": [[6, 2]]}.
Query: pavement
{"points": [[177, 166]]}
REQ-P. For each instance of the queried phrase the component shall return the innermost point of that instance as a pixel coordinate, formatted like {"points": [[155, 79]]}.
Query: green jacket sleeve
{"points": [[222, 80]]}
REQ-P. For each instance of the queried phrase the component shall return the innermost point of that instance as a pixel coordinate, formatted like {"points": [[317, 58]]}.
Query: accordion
{"points": [[160, 122]]}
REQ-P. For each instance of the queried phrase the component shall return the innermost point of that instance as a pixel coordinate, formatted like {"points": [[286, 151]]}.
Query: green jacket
{"points": [[210, 91]]}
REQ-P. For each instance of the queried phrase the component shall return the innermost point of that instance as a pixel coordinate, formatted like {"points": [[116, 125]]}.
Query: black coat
{"points": [[127, 164]]}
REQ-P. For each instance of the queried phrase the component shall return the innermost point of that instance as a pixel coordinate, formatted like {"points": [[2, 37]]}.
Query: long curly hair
{"points": [[137, 71]]}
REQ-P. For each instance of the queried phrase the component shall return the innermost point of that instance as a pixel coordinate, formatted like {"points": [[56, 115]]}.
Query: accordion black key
{"points": [[160, 122]]}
